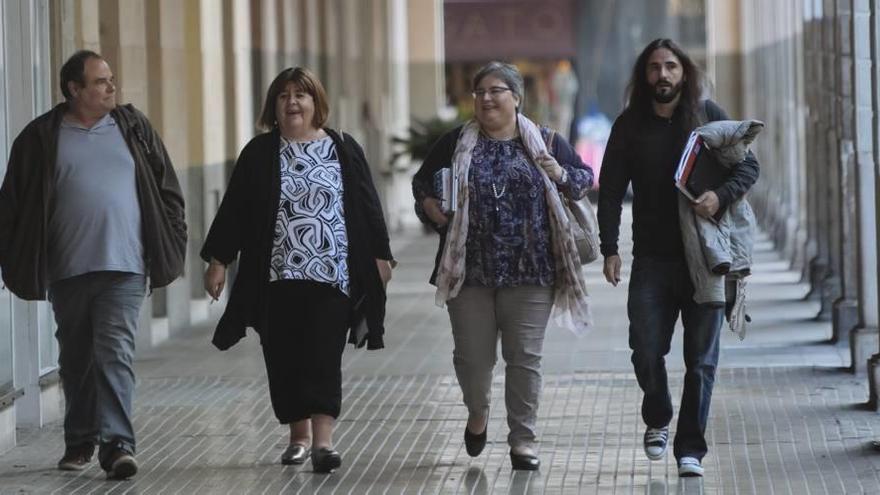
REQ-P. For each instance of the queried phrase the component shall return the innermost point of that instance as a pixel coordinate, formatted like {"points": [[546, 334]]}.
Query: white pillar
{"points": [[871, 312], [289, 37], [865, 340], [427, 78], [244, 114], [311, 26], [270, 43], [399, 211]]}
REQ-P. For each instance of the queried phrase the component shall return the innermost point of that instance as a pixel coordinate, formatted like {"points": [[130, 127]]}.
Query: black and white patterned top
{"points": [[310, 238]]}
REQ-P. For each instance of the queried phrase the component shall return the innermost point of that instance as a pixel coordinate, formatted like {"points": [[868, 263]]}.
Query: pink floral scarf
{"points": [[571, 302]]}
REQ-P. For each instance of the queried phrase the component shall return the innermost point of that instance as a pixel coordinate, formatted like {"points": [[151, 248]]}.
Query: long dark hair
{"points": [[640, 94]]}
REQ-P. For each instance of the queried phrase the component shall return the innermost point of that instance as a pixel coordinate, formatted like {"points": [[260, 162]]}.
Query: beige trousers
{"points": [[519, 315]]}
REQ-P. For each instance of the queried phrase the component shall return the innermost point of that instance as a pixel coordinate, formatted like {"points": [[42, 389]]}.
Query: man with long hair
{"points": [[664, 105]]}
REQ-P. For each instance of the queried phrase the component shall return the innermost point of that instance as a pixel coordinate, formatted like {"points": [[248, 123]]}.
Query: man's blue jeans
{"points": [[97, 316], [660, 290]]}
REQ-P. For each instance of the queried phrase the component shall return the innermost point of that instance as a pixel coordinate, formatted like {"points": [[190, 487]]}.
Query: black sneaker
{"points": [[76, 458], [121, 465], [655, 442]]}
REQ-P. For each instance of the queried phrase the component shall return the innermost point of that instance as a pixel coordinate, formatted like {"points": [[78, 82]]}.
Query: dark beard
{"points": [[669, 95]]}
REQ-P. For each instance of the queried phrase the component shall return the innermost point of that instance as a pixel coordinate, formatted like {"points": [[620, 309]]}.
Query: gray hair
{"points": [[507, 73]]}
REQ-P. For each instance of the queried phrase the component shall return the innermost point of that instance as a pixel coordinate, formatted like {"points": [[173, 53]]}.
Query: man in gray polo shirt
{"points": [[114, 221]]}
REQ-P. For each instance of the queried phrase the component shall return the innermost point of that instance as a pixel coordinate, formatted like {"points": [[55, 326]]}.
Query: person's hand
{"points": [[612, 269], [707, 204], [553, 169], [384, 267], [434, 212], [215, 279]]}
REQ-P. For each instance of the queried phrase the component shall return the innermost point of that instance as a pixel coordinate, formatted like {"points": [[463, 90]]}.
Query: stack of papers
{"points": [[698, 170]]}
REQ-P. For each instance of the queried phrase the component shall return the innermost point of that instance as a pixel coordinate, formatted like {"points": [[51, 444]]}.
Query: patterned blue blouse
{"points": [[508, 241], [311, 242]]}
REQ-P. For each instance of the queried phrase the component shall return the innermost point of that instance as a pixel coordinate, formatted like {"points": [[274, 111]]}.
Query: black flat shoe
{"points": [[325, 460], [295, 454], [524, 462], [473, 443]]}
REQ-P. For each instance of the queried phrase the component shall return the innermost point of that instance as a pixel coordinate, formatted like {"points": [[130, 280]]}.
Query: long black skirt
{"points": [[303, 349]]}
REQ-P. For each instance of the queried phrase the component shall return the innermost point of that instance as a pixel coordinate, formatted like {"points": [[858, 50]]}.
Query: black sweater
{"points": [[644, 151], [245, 224]]}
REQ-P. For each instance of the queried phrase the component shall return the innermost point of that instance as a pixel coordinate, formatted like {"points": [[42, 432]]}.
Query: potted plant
{"points": [[422, 136]]}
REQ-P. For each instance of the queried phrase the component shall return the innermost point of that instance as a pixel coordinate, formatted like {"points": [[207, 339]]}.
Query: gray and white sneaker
{"points": [[655, 442], [689, 467]]}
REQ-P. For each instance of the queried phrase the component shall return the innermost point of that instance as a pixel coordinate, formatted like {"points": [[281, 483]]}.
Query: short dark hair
{"points": [[639, 94], [74, 70], [305, 81], [508, 73]]}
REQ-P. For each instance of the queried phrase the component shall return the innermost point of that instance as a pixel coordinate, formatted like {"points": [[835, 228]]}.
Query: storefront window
{"points": [[41, 59], [38, 56], [48, 343], [42, 103], [5, 296], [5, 341]]}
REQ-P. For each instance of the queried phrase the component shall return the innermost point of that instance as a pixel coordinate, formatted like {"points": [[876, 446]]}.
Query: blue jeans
{"points": [[97, 316], [660, 290]]}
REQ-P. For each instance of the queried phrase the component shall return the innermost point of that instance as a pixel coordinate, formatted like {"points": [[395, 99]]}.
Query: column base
{"points": [[844, 319], [863, 344], [874, 382], [151, 331], [7, 428], [828, 293], [815, 273], [51, 403]]}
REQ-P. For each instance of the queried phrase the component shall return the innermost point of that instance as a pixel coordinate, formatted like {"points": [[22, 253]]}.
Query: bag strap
{"points": [[549, 139]]}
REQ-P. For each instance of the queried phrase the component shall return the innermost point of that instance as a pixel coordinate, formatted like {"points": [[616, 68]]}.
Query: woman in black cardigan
{"points": [[302, 212]]}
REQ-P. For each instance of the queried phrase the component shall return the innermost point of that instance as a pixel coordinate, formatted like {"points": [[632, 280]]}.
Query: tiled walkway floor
{"points": [[785, 418]]}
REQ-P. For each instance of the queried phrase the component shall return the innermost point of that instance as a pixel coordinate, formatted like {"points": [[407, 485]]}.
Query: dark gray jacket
{"points": [[728, 243], [27, 190]]}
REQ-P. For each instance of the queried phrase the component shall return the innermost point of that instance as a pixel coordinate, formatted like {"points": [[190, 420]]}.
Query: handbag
{"points": [[584, 228], [584, 225]]}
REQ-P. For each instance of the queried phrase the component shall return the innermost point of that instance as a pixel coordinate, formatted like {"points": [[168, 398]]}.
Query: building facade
{"points": [[200, 69], [810, 70]]}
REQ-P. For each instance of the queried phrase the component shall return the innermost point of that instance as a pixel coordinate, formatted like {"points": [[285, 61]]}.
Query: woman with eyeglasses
{"points": [[506, 258]]}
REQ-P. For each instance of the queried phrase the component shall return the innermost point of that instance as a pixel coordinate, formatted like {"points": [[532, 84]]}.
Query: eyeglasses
{"points": [[494, 92]]}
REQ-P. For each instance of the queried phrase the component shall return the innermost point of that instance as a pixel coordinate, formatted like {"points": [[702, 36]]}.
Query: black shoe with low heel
{"points": [[524, 462], [325, 460], [474, 443], [295, 454]]}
